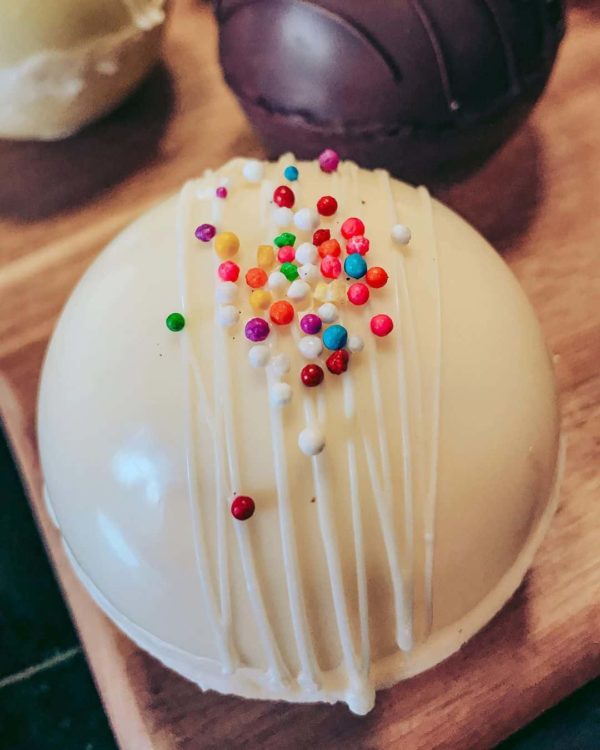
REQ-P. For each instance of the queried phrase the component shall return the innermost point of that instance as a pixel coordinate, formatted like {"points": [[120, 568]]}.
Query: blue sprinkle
{"points": [[335, 337], [355, 266], [290, 173]]}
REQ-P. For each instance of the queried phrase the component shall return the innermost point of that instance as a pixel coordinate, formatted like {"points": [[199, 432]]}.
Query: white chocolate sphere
{"points": [[67, 62], [364, 563]]}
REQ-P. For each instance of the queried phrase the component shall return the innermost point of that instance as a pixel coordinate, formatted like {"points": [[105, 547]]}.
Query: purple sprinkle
{"points": [[257, 329], [329, 160], [221, 192], [205, 232], [311, 323]]}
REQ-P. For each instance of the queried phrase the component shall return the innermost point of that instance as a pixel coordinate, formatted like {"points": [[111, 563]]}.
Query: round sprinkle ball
{"points": [[358, 244], [253, 170], [281, 312], [312, 375], [256, 329], [228, 315], [328, 312], [311, 441], [311, 323], [277, 281], [280, 394], [358, 293], [306, 219], [265, 256], [355, 343], [259, 355], [256, 277], [298, 290], [320, 236], [331, 267], [309, 273], [226, 245], [285, 238], [329, 160], [205, 232], [401, 234], [327, 205], [280, 364], [290, 271], [330, 247], [335, 337], [242, 507], [221, 192], [351, 227], [376, 277], [310, 346], [355, 266], [228, 271], [260, 299], [286, 254], [381, 325], [226, 292], [283, 216], [291, 173], [306, 253], [337, 363], [175, 322], [284, 196]]}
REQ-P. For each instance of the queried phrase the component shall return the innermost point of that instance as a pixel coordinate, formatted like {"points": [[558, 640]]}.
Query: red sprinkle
{"points": [[329, 247], [337, 363], [321, 236], [242, 507], [357, 244], [331, 267], [327, 205], [376, 277], [312, 375], [358, 293], [284, 196], [381, 325], [228, 271], [351, 227]]}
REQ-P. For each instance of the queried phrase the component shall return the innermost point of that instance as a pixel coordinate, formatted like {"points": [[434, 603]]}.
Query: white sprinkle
{"points": [[355, 344], [328, 312], [310, 346], [283, 216], [253, 170], [280, 364], [307, 253], [298, 289], [227, 315], [277, 280], [311, 441], [226, 292], [401, 234], [306, 219], [259, 355], [309, 273], [280, 394]]}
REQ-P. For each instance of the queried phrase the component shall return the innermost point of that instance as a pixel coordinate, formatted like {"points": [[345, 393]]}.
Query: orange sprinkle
{"points": [[256, 277], [281, 312]]}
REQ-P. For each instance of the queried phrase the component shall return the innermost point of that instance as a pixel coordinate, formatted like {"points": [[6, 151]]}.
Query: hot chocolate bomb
{"points": [[414, 86]]}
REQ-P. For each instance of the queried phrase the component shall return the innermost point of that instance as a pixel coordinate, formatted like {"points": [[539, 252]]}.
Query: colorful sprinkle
{"points": [[358, 244], [298, 290], [331, 267], [290, 173], [281, 312], [253, 170], [311, 441], [351, 227], [376, 277], [306, 219], [175, 322], [226, 245], [283, 216], [286, 254], [205, 232], [285, 238], [290, 271], [329, 247], [227, 315], [401, 234], [226, 292], [306, 253], [311, 323], [337, 363], [321, 236], [284, 196], [259, 355], [256, 277], [329, 160], [327, 205], [265, 256], [310, 346], [335, 337], [280, 394], [242, 508], [309, 273], [358, 293], [355, 343], [328, 312], [228, 271], [256, 329], [260, 299], [355, 266], [221, 192], [312, 375], [381, 325]]}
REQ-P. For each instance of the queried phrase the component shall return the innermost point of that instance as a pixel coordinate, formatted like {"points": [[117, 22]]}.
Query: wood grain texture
{"points": [[537, 201]]}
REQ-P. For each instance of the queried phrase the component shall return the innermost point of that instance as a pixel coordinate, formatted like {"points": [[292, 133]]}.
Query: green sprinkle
{"points": [[285, 238], [175, 322], [290, 271]]}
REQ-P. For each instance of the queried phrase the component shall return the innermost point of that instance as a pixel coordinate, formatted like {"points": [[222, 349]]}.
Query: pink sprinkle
{"points": [[357, 244], [329, 160], [331, 267], [286, 254], [228, 271], [358, 293], [381, 325], [221, 192]]}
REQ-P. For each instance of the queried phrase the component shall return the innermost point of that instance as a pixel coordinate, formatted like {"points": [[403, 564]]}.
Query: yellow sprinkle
{"points": [[260, 299], [226, 245], [265, 257], [336, 291], [320, 292]]}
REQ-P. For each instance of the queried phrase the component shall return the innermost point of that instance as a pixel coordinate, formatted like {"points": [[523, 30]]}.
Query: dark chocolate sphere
{"points": [[415, 86]]}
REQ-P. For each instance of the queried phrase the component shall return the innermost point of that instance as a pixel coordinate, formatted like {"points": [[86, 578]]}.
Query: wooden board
{"points": [[537, 200]]}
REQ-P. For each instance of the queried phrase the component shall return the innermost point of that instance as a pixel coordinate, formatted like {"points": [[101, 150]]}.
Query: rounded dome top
{"points": [[398, 500]]}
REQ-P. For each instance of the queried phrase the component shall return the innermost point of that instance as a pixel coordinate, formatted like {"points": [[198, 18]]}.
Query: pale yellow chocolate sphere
{"points": [[66, 63], [397, 504]]}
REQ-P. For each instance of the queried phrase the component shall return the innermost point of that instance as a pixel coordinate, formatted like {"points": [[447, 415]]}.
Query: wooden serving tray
{"points": [[538, 201]]}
